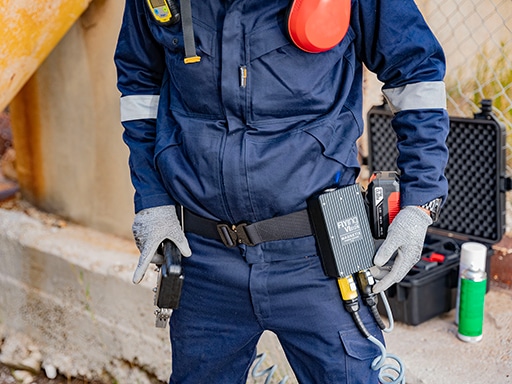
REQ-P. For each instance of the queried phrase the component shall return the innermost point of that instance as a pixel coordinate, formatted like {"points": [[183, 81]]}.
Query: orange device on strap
{"points": [[318, 25]]}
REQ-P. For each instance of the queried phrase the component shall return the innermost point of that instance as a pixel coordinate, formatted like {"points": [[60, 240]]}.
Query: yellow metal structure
{"points": [[29, 32]]}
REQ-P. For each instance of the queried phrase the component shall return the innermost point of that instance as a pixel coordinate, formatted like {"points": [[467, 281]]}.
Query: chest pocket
{"points": [[285, 81], [194, 87]]}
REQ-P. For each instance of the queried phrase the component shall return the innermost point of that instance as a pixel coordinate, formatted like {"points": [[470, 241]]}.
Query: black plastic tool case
{"points": [[474, 210]]}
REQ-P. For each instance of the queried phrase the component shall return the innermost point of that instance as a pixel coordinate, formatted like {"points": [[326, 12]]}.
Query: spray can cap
{"points": [[473, 254]]}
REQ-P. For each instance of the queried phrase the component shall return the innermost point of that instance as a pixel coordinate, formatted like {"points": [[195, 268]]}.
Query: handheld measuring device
{"points": [[165, 12]]}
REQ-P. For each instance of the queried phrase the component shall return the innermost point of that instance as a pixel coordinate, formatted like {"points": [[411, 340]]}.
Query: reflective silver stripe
{"points": [[424, 95], [136, 107]]}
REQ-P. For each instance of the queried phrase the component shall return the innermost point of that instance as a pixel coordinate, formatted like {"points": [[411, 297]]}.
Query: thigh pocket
{"points": [[360, 352]]}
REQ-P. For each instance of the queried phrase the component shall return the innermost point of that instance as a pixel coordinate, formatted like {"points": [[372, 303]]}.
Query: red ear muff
{"points": [[318, 25]]}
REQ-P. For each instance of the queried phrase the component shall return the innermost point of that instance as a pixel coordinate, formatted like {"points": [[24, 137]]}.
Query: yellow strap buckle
{"points": [[192, 59]]}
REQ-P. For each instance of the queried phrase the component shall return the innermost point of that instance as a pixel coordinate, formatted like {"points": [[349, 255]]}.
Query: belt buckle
{"points": [[236, 234]]}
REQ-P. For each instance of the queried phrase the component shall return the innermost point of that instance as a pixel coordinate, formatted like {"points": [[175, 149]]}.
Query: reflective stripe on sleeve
{"points": [[137, 107], [424, 95]]}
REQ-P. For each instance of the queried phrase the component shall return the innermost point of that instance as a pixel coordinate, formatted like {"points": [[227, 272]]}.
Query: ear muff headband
{"points": [[318, 25]]}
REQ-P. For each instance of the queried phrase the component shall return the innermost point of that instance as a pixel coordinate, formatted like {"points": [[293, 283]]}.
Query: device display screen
{"points": [[157, 3]]}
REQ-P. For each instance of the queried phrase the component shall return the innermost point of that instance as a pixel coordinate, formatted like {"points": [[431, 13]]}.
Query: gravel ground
{"points": [[7, 377]]}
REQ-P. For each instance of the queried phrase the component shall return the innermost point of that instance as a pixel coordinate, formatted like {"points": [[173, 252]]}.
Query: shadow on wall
{"points": [[8, 177]]}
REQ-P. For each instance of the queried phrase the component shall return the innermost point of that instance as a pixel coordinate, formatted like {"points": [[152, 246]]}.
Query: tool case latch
{"points": [[505, 183]]}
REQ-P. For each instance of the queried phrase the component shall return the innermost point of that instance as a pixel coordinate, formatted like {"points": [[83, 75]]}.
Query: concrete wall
{"points": [[67, 294], [67, 135]]}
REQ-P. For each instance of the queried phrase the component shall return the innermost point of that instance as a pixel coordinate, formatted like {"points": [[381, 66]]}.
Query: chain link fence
{"points": [[477, 39]]}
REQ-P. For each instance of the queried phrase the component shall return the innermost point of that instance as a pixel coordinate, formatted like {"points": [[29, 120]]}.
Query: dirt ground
{"points": [[7, 377]]}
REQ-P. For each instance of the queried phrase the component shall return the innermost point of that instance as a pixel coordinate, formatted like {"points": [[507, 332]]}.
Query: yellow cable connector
{"points": [[366, 281], [347, 287]]}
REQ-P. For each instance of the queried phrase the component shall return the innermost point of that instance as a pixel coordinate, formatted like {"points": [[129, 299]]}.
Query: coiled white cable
{"points": [[388, 373], [268, 371]]}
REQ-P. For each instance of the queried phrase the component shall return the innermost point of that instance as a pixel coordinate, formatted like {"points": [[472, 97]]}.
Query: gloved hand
{"points": [[150, 227], [406, 234]]}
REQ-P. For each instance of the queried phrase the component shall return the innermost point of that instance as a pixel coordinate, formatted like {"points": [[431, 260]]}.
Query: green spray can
{"points": [[473, 286]]}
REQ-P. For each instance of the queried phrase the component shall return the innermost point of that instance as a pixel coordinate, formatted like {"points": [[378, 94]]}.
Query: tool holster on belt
{"points": [[169, 284]]}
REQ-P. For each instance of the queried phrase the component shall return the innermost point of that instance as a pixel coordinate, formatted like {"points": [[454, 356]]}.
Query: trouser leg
{"points": [[214, 332]]}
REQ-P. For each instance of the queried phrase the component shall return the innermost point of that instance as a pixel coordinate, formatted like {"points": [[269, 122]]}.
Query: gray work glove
{"points": [[406, 235], [150, 227]]}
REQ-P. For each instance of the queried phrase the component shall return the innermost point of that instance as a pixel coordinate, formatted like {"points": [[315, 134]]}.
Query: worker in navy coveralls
{"points": [[249, 133]]}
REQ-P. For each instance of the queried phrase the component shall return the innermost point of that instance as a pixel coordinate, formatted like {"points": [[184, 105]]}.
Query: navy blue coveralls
{"points": [[244, 149]]}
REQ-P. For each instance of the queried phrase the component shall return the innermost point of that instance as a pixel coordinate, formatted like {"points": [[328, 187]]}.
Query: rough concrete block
{"points": [[69, 290]]}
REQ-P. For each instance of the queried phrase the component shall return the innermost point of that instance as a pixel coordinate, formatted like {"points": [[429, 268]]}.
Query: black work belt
{"points": [[289, 226]]}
